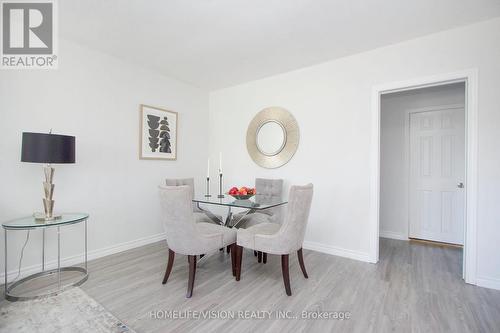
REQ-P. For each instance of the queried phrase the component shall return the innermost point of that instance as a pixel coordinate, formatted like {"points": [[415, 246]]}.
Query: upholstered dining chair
{"points": [[283, 239], [199, 215], [186, 237], [268, 191]]}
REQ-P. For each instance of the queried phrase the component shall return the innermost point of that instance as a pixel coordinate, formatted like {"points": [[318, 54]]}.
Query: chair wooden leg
{"points": [[255, 253], [192, 273], [239, 257], [259, 256], [171, 256], [264, 257], [228, 248], [233, 258], [286, 274], [301, 263]]}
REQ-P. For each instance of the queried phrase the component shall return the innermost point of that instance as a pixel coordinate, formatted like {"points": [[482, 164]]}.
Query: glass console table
{"points": [[29, 223], [252, 205]]}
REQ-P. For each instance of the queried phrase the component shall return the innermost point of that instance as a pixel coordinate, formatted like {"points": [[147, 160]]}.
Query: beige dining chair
{"points": [[268, 191], [284, 239], [199, 214], [186, 237]]}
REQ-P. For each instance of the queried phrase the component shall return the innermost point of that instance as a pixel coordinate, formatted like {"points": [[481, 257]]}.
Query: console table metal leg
{"points": [[58, 258], [43, 250], [5, 262], [85, 244]]}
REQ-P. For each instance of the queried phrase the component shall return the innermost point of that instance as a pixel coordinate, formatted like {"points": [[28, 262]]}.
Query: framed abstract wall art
{"points": [[158, 133]]}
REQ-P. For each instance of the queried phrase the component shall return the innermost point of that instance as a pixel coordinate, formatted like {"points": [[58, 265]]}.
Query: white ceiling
{"points": [[219, 43]]}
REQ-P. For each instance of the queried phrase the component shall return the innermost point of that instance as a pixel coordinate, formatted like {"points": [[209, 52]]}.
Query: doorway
{"points": [[468, 79], [422, 165]]}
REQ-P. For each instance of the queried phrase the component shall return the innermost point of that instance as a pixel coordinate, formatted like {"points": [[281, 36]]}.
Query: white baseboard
{"points": [[392, 235], [491, 283], [337, 251], [78, 259], [485, 282]]}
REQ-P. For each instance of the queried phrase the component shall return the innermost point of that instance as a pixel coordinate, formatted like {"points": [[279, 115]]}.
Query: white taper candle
{"points": [[220, 162]]}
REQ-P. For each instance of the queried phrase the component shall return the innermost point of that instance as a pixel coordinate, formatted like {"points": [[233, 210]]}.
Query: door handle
{"points": [[460, 185]]}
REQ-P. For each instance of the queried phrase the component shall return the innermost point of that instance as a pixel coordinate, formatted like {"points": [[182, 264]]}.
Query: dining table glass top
{"points": [[256, 202]]}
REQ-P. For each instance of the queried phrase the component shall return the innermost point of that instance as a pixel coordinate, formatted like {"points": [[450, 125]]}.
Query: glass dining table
{"points": [[254, 204]]}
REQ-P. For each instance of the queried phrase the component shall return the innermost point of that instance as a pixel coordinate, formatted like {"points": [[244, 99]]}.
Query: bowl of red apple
{"points": [[242, 193]]}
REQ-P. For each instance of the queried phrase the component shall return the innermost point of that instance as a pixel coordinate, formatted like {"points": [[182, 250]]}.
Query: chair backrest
{"points": [[268, 190], [294, 224], [177, 217], [181, 182]]}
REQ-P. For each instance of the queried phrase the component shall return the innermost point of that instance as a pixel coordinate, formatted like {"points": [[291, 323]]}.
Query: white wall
{"points": [[95, 97], [331, 102], [393, 150]]}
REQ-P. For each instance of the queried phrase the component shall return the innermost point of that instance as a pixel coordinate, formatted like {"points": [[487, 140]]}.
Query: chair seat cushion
{"points": [[228, 236], [247, 237], [202, 217]]}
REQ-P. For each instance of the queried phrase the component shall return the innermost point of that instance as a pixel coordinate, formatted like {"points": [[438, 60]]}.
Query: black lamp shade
{"points": [[47, 148]]}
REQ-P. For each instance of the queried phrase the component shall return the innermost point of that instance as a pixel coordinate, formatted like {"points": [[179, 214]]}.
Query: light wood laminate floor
{"points": [[414, 288]]}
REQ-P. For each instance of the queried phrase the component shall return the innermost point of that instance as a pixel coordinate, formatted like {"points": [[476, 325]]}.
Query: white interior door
{"points": [[437, 173]]}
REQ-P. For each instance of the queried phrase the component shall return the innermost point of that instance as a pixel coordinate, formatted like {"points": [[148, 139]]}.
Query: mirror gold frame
{"points": [[291, 136]]}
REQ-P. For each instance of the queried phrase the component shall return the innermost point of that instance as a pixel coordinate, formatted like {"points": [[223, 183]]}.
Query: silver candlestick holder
{"points": [[208, 188], [221, 195]]}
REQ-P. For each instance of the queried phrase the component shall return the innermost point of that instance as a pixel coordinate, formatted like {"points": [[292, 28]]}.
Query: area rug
{"points": [[71, 311]]}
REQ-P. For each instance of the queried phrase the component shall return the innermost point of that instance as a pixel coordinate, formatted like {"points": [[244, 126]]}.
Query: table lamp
{"points": [[48, 149]]}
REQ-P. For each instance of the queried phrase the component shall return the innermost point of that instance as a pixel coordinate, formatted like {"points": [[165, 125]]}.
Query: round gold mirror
{"points": [[272, 137]]}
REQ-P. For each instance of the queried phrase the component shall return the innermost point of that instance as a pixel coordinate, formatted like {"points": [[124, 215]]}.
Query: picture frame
{"points": [[157, 133]]}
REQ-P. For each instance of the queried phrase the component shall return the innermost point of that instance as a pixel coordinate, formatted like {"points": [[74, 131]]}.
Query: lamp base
{"points": [[42, 217]]}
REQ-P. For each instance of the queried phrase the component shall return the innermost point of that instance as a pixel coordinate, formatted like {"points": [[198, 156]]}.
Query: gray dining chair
{"points": [[199, 214], [185, 236], [268, 191], [284, 239]]}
